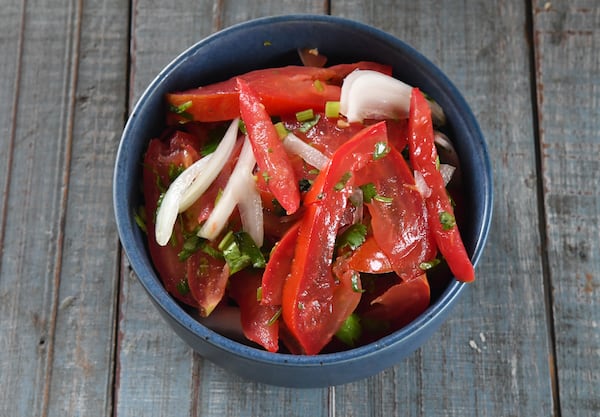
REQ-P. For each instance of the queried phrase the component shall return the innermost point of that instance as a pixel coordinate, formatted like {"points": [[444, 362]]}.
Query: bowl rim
{"points": [[151, 282]]}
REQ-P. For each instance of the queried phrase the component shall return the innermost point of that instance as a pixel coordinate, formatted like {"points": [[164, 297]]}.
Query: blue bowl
{"points": [[269, 42]]}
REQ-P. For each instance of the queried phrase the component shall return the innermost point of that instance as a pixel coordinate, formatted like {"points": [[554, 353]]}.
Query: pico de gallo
{"points": [[313, 201]]}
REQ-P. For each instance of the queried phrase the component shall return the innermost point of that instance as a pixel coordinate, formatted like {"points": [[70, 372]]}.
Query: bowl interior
{"points": [[273, 42]]}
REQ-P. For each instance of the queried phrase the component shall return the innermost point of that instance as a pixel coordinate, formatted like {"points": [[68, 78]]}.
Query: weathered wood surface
{"points": [[78, 335]]}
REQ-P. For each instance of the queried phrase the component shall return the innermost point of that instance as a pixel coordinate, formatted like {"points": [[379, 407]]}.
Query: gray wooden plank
{"points": [[84, 335], [35, 206], [487, 360], [157, 374], [567, 35]]}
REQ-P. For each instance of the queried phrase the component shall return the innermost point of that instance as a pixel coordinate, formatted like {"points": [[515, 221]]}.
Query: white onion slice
{"points": [[239, 185], [212, 169], [293, 144], [447, 171], [421, 184], [166, 214], [368, 94]]}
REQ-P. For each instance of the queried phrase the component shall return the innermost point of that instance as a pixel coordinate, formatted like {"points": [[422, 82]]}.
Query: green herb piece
{"points": [[183, 287], [175, 170], [259, 294], [240, 251], [309, 124], [352, 237], [369, 192], [332, 109], [381, 150], [339, 186], [318, 86], [429, 264], [304, 185], [305, 115], [447, 220], [282, 131], [139, 216], [181, 110], [266, 176], [267, 43], [383, 199], [276, 316], [242, 127], [214, 137], [350, 331], [190, 246]]}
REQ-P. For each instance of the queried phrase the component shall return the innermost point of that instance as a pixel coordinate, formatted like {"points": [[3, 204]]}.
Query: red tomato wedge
{"points": [[423, 156], [308, 293], [271, 157], [401, 303], [259, 322], [278, 268], [370, 259], [282, 91], [207, 278], [160, 157], [399, 218]]}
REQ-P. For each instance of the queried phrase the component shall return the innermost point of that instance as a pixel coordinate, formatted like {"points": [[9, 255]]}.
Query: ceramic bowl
{"points": [[269, 42]]}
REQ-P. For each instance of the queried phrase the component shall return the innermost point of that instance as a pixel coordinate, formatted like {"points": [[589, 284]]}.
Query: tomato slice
{"points": [[259, 321], [278, 268], [207, 279], [423, 156], [308, 293], [161, 158], [401, 303], [282, 91], [271, 157], [370, 258], [399, 219]]}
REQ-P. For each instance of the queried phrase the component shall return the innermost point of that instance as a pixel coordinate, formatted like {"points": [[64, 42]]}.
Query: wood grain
{"points": [[567, 35], [488, 360]]}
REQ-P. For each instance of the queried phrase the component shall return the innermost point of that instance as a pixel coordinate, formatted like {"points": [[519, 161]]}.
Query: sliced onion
{"points": [[213, 168], [368, 94], [447, 171], [421, 184], [448, 156], [251, 212], [166, 214], [239, 185], [312, 156]]}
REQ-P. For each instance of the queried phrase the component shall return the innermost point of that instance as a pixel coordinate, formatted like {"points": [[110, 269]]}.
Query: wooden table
{"points": [[78, 336]]}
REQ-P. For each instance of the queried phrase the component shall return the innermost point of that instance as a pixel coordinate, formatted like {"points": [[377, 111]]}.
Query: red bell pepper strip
{"points": [[400, 224], [283, 91], [259, 322], [308, 294], [423, 156], [270, 154], [370, 259]]}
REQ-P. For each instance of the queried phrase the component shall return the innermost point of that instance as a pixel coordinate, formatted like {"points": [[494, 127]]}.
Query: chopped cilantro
{"points": [[383, 199], [183, 287], [140, 218], [429, 264], [381, 150], [447, 220], [181, 110], [369, 192], [355, 281], [304, 185], [240, 251], [339, 186], [276, 316], [309, 124], [175, 170], [352, 237]]}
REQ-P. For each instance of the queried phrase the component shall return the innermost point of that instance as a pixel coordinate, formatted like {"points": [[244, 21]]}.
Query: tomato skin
{"points": [[308, 294], [178, 150], [370, 258], [207, 279], [278, 268], [271, 157], [282, 91], [401, 303], [423, 156], [259, 321], [400, 227]]}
